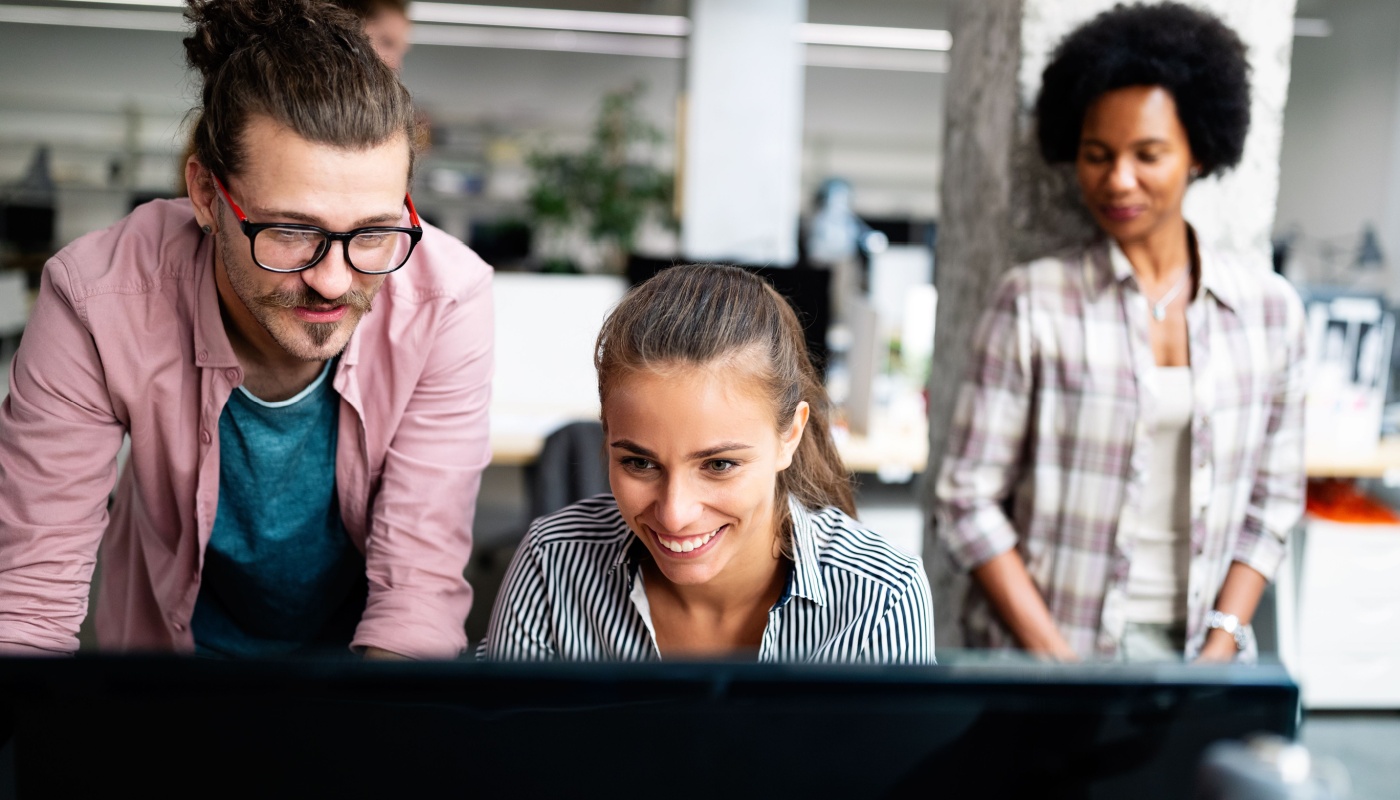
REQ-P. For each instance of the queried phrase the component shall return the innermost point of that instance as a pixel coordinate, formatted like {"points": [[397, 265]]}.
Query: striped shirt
{"points": [[1053, 427], [574, 592]]}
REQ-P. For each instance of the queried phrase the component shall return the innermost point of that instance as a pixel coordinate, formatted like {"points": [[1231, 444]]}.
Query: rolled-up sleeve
{"points": [[983, 458], [59, 440], [1276, 499], [419, 538]]}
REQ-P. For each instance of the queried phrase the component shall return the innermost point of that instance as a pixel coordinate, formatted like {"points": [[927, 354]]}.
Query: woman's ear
{"points": [[793, 436]]}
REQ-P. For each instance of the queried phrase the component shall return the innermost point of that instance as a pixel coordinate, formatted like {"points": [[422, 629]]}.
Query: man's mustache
{"points": [[307, 297]]}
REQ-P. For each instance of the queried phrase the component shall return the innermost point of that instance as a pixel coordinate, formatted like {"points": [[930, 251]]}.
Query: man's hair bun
{"points": [[223, 27]]}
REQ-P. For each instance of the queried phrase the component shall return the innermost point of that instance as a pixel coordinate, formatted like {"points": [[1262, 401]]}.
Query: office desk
{"points": [[1337, 601], [1383, 462]]}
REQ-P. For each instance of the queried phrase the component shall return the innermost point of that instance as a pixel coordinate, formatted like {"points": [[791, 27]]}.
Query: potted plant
{"points": [[600, 197]]}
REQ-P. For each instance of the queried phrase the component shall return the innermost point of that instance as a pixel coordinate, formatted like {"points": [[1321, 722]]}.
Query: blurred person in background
{"points": [[1126, 454], [386, 24]]}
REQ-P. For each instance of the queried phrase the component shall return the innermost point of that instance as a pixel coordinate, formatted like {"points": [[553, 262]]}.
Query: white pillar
{"points": [[743, 132]]}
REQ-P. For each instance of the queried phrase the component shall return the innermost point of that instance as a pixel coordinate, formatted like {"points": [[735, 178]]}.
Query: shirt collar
{"points": [[806, 572], [1107, 264], [211, 344]]}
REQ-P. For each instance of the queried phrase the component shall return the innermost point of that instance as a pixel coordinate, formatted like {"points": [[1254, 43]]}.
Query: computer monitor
{"points": [[166, 726]]}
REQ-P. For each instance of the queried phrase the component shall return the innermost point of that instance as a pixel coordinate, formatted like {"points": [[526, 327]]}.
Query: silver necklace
{"points": [[1159, 307]]}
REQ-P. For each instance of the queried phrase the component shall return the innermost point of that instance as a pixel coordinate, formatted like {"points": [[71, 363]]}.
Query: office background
{"points": [[93, 97]]}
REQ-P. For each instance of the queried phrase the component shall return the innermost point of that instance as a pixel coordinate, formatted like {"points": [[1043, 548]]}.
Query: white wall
{"points": [[1340, 165]]}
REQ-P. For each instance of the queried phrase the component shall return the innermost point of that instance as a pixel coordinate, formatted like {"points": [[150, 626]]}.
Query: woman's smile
{"points": [[689, 546]]}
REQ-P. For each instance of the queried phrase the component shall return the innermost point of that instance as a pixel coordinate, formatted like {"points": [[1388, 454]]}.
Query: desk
{"points": [[1338, 604], [1383, 462]]}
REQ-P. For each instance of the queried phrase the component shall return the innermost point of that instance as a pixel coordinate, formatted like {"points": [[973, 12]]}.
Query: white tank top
{"points": [[1161, 544]]}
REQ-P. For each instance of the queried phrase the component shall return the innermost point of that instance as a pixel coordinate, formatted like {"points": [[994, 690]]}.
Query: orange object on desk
{"points": [[1339, 500]]}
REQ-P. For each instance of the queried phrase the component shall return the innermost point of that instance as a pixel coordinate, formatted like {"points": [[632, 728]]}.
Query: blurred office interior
{"points": [[841, 116]]}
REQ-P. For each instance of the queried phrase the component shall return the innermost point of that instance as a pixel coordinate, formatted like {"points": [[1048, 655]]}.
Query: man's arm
{"points": [[420, 535], [58, 446]]}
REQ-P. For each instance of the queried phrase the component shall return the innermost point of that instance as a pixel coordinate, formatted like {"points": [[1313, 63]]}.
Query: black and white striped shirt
{"points": [[574, 592]]}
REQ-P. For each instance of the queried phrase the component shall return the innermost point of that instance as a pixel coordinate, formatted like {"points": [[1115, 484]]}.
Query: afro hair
{"points": [[1188, 52]]}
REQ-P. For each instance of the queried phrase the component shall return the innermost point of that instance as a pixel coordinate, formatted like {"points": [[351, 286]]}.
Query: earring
{"points": [[1195, 172], [206, 229]]}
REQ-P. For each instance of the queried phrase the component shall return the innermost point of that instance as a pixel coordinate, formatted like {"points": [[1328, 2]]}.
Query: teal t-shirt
{"points": [[280, 574]]}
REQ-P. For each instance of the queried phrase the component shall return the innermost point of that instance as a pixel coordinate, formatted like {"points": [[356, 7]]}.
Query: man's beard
{"points": [[359, 303]]}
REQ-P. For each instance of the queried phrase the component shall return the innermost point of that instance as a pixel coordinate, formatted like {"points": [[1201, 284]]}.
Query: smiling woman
{"points": [[729, 532]]}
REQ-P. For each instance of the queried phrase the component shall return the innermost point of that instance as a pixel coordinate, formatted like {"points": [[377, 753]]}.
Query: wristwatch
{"points": [[1244, 635]]}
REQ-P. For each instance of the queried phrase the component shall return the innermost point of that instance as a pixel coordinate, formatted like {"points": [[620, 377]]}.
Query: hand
{"points": [[1059, 652], [1219, 648], [380, 654]]}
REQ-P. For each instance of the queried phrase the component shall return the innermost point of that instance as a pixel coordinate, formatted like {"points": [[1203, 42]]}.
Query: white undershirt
{"points": [[1161, 543]]}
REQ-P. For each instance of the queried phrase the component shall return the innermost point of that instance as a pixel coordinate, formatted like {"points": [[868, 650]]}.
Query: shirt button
{"points": [[205, 437], [179, 627], [232, 374], [202, 356]]}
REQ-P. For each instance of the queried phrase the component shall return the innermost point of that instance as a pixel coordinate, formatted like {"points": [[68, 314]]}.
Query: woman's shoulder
{"points": [[1254, 288], [592, 521], [846, 545], [1053, 275]]}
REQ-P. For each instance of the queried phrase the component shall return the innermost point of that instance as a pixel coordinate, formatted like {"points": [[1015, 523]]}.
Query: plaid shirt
{"points": [[1051, 429]]}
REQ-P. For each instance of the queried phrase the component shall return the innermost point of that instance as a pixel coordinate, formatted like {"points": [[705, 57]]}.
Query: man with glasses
{"points": [[301, 364]]}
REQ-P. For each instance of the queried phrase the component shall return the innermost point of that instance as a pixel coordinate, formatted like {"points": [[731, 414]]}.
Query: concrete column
{"points": [[1001, 205], [743, 132]]}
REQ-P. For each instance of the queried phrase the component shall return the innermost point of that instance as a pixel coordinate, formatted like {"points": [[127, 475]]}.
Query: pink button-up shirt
{"points": [[127, 337]]}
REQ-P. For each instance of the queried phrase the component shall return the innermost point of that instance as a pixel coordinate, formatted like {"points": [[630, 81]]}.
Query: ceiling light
{"points": [[94, 18], [555, 19], [1311, 27], [869, 36], [556, 40]]}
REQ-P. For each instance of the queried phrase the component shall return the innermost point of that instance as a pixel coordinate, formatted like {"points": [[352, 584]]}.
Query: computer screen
{"points": [[159, 726]]}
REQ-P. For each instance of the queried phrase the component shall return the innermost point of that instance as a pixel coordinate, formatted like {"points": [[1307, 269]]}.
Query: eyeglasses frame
{"points": [[252, 229]]}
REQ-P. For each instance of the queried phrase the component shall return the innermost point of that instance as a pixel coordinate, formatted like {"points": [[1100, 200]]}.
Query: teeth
{"points": [[686, 545]]}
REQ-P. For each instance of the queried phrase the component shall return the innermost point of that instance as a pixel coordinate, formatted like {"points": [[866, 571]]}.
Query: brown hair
{"points": [[304, 63], [700, 314]]}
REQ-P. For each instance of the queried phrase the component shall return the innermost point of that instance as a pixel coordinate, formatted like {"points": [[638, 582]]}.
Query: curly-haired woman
{"points": [[1126, 453]]}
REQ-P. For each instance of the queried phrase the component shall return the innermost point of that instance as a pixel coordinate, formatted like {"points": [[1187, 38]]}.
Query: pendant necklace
{"points": [[1159, 308]]}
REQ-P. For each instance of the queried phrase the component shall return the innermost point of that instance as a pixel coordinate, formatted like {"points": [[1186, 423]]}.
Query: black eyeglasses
{"points": [[288, 247]]}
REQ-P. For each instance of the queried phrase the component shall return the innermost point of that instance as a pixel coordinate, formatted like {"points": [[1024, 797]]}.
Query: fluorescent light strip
{"points": [[654, 24], [1311, 27], [823, 55], [162, 3], [553, 40], [94, 18], [869, 36], [554, 19]]}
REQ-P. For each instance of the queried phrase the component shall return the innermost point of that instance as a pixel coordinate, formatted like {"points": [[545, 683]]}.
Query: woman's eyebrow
{"points": [[717, 449], [632, 447], [724, 447]]}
